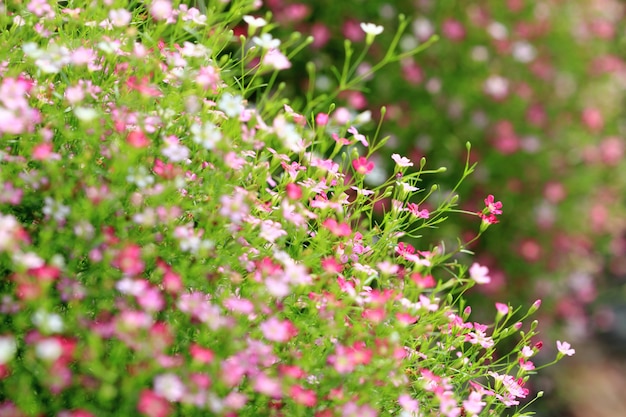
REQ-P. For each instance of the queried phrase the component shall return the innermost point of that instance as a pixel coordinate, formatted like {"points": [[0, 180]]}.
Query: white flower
{"points": [[401, 161], [48, 349], [254, 22], [139, 177], [497, 31], [372, 29], [230, 104], [524, 52], [161, 9], [423, 28], [120, 17], [48, 322], [8, 347], [85, 114], [194, 50], [170, 387], [28, 260], [206, 135], [496, 87], [266, 41], [56, 210], [176, 152]]}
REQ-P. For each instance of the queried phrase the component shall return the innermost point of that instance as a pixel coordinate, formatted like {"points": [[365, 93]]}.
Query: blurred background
{"points": [[537, 87]]}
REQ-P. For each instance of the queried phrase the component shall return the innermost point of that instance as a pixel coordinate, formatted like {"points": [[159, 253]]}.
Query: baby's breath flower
{"points": [[230, 104], [254, 22], [371, 30], [85, 114], [55, 209], [48, 322], [266, 41], [48, 349], [206, 135], [120, 17], [139, 177]]}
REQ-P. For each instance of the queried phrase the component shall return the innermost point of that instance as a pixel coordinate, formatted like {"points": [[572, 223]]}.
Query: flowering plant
{"points": [[538, 87], [178, 238]]}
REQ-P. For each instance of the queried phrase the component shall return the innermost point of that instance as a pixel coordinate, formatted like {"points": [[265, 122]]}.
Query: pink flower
{"points": [[414, 210], [276, 59], [137, 139], [408, 403], [278, 330], [268, 386], [502, 309], [493, 206], [362, 165], [303, 396], [358, 136], [526, 365], [473, 405], [337, 229], [423, 281], [321, 119], [480, 274], [129, 260], [161, 9], [201, 354], [565, 348], [153, 405]]}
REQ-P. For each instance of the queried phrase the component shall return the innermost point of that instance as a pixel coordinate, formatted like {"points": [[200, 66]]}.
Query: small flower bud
{"points": [[534, 307]]}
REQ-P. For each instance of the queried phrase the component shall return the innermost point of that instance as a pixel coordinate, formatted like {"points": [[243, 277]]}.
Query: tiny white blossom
{"points": [[524, 52], [120, 17], [372, 29], [85, 114], [48, 349], [54, 209], [8, 347], [496, 87], [254, 22], [27, 260], [170, 387], [206, 135], [230, 104], [48, 322], [176, 152], [139, 177], [266, 41]]}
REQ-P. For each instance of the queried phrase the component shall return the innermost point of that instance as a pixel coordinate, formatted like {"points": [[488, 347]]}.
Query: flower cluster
{"points": [[537, 88], [178, 238]]}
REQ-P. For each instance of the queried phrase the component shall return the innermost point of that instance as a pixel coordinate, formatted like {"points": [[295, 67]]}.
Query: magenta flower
{"points": [[493, 206], [362, 165], [414, 210]]}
